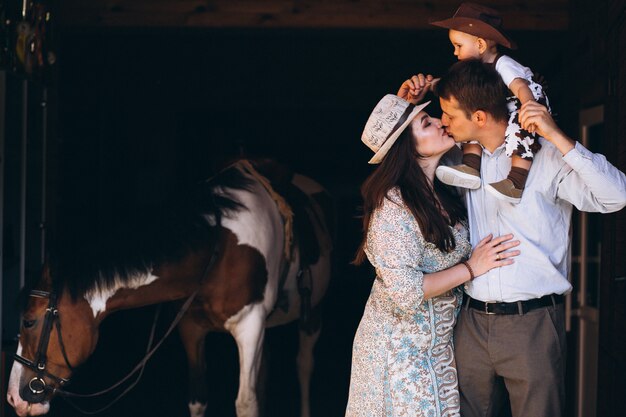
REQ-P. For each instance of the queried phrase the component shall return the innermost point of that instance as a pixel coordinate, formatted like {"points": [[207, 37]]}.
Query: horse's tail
{"points": [[327, 215]]}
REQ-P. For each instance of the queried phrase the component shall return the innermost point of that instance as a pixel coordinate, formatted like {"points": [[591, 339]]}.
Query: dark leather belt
{"points": [[517, 307]]}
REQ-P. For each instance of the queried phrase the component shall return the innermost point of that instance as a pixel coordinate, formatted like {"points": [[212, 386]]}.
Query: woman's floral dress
{"points": [[403, 356]]}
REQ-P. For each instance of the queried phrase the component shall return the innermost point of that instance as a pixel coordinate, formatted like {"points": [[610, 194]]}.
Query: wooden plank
{"points": [[396, 14]]}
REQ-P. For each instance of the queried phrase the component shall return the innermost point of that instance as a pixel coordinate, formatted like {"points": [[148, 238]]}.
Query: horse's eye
{"points": [[28, 323]]}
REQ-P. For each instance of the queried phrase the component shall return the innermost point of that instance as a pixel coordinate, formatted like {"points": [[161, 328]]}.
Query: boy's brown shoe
{"points": [[459, 176], [505, 190]]}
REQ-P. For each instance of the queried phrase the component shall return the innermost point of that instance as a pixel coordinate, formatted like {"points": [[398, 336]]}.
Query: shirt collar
{"points": [[497, 151]]}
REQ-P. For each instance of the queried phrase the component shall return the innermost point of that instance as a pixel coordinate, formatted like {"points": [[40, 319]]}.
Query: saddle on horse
{"points": [[303, 233]]}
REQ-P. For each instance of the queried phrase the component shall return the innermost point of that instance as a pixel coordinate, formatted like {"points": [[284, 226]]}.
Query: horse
{"points": [[250, 249]]}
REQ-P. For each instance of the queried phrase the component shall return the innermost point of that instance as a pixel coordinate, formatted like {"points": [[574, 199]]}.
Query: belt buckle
{"points": [[487, 309]]}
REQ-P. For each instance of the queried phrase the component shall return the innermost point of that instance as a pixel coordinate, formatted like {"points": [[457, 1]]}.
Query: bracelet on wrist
{"points": [[469, 268]]}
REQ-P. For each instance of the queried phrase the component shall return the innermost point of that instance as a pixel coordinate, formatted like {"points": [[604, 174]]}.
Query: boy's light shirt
{"points": [[509, 69], [541, 221]]}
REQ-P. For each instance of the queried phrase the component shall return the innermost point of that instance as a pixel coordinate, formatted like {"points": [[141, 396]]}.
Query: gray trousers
{"points": [[527, 352]]}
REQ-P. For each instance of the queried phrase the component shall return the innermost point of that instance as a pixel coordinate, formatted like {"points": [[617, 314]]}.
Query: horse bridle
{"points": [[37, 384]]}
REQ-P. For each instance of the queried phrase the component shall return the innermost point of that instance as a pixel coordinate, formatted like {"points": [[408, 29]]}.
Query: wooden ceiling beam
{"points": [[390, 14]]}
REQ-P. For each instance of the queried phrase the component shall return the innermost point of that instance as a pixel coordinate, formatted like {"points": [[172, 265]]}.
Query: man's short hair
{"points": [[476, 86]]}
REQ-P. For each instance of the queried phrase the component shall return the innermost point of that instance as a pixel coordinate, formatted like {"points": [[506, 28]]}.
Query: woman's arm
{"points": [[415, 88], [488, 254], [395, 248]]}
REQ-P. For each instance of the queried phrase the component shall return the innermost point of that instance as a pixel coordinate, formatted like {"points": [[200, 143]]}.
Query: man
{"points": [[512, 324]]}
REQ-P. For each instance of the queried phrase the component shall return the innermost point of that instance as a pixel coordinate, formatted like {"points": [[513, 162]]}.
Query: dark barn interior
{"points": [[144, 100]]}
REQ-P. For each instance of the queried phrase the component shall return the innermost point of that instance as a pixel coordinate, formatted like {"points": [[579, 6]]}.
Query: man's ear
{"points": [[479, 117]]}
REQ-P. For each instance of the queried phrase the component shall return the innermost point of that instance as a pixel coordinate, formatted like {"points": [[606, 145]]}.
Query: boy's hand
{"points": [[415, 88]]}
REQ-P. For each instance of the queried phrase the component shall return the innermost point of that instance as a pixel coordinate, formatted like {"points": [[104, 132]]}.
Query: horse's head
{"points": [[57, 333]]}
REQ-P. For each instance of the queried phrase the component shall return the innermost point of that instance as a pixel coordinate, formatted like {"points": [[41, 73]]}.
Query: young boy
{"points": [[475, 31]]}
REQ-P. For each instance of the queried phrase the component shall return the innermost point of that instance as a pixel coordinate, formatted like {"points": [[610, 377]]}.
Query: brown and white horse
{"points": [[236, 250]]}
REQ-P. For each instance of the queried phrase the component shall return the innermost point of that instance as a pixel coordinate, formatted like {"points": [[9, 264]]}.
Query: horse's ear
{"points": [[46, 270], [46, 275]]}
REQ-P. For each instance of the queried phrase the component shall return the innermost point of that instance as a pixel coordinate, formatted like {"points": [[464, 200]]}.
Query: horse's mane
{"points": [[143, 237]]}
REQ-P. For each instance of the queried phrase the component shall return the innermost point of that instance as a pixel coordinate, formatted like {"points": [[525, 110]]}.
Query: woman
{"points": [[416, 238]]}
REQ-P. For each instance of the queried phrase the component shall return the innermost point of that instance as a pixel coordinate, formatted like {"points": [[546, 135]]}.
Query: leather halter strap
{"points": [[52, 315], [40, 363]]}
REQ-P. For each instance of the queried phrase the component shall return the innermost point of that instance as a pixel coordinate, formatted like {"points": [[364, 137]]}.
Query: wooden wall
{"points": [[394, 14], [598, 76], [612, 360]]}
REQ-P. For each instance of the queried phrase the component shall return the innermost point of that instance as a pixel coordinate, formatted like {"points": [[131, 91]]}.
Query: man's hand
{"points": [[536, 118], [415, 88]]}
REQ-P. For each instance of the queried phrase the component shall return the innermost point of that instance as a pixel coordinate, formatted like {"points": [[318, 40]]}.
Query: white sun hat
{"points": [[388, 120]]}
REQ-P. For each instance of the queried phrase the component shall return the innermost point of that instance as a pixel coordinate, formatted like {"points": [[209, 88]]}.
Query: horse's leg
{"points": [[262, 380], [193, 337], [305, 361], [248, 329]]}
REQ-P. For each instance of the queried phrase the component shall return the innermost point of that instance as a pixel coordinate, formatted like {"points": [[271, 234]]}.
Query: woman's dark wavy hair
{"points": [[400, 168], [476, 86]]}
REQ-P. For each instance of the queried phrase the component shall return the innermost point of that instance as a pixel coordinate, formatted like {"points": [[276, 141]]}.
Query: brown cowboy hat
{"points": [[478, 20]]}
